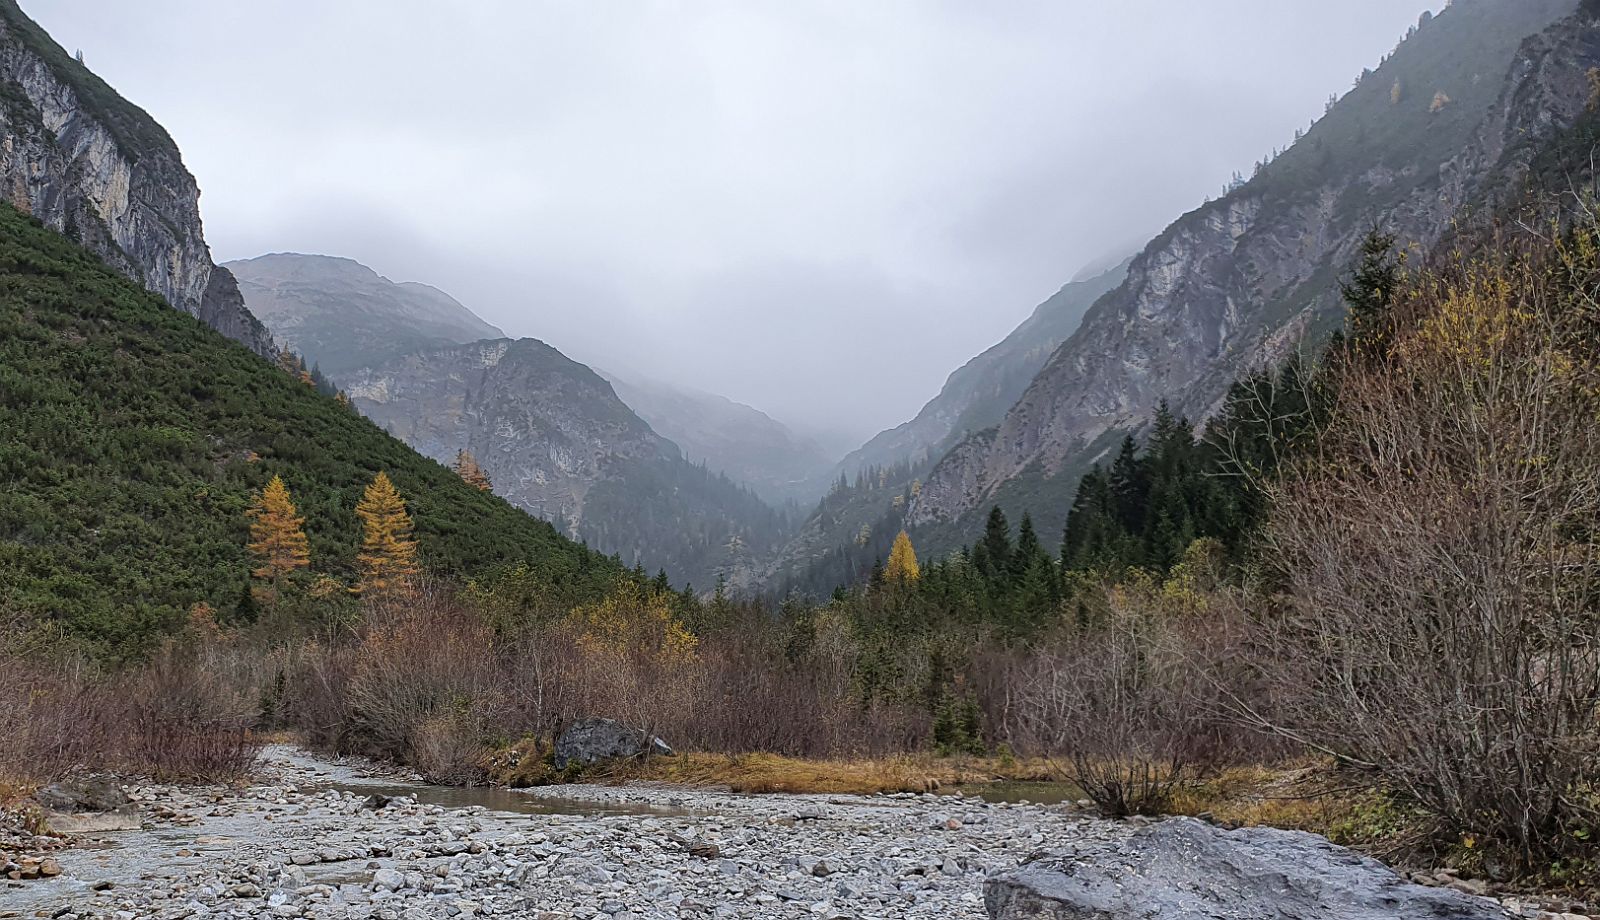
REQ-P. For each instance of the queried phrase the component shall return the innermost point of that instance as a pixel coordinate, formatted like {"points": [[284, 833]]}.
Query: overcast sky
{"points": [[819, 208]]}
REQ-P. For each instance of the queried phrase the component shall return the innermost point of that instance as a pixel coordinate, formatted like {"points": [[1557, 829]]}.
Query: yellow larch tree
{"points": [[466, 466], [277, 533], [902, 565], [388, 557]]}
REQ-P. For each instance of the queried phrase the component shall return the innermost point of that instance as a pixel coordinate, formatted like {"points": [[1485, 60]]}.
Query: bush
{"points": [[1440, 575]]}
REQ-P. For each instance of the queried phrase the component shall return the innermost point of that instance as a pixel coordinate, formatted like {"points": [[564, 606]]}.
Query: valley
{"points": [[1256, 556]]}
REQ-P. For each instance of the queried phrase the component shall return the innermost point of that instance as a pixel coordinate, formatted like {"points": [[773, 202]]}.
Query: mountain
{"points": [[1241, 281], [746, 444], [135, 438], [864, 508], [97, 168], [341, 315], [555, 439], [977, 395]]}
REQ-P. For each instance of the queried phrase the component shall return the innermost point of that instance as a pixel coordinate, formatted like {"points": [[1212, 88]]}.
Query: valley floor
{"points": [[318, 839], [303, 844]]}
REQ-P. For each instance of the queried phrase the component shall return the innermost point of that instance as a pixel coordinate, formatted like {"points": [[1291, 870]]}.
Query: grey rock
{"points": [[1184, 869], [589, 741], [388, 880], [95, 793], [94, 167]]}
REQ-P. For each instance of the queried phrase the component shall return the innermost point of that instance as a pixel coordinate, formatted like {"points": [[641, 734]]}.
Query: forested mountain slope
{"points": [[135, 437]]}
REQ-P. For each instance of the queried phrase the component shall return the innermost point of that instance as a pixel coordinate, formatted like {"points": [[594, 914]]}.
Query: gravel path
{"points": [[306, 844]]}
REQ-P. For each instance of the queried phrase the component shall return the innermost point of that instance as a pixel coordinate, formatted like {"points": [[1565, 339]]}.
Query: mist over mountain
{"points": [[340, 315]]}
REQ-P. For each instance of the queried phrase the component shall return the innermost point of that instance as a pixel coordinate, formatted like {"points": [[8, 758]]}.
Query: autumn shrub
{"points": [[1440, 572], [191, 713]]}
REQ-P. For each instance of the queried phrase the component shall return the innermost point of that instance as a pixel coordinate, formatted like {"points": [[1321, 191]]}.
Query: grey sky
{"points": [[819, 208]]}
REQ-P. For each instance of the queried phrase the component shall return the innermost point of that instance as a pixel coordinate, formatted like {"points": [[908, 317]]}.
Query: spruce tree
{"points": [[996, 545], [1369, 293]]}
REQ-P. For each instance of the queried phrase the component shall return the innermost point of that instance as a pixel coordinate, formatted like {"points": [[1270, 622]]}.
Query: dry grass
{"points": [[527, 764]]}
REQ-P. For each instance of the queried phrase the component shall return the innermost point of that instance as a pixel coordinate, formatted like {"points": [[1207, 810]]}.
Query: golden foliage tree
{"points": [[466, 466], [277, 533], [388, 557], [902, 565]]}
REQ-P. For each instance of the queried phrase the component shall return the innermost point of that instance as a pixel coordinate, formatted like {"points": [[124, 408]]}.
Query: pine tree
{"points": [[277, 533], [902, 567], [996, 544], [466, 466], [388, 557]]}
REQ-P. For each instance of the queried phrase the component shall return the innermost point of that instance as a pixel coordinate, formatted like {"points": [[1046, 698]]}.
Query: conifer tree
{"points": [[996, 544], [902, 567], [277, 533], [388, 557], [466, 466], [1370, 291]]}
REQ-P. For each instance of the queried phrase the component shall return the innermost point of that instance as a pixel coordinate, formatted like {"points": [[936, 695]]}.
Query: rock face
{"points": [[1183, 869], [1243, 280], [589, 741], [96, 168], [341, 315], [977, 395], [555, 440]]}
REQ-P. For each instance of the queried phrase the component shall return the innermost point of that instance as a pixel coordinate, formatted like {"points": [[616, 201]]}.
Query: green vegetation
{"points": [[135, 438]]}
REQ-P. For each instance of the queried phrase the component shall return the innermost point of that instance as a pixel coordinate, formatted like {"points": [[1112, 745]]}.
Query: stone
{"points": [[589, 741], [388, 880], [821, 870], [1183, 869]]}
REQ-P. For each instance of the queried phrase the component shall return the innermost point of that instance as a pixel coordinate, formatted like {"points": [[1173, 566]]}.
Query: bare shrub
{"points": [[1441, 574], [419, 659], [1124, 704], [190, 715]]}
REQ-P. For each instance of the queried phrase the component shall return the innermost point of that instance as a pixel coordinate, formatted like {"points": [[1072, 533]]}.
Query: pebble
{"points": [[316, 841]]}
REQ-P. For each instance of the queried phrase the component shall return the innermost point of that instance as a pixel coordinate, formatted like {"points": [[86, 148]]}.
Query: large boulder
{"points": [[1183, 869], [87, 805], [589, 741]]}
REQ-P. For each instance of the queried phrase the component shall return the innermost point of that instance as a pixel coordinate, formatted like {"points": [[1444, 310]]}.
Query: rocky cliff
{"points": [[341, 315], [977, 394], [1241, 281], [557, 441], [91, 165]]}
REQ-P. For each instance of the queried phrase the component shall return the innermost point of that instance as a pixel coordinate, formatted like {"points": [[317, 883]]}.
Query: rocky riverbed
{"points": [[308, 843], [321, 840]]}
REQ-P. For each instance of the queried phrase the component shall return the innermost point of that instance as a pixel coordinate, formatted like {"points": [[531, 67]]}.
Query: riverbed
{"points": [[307, 841]]}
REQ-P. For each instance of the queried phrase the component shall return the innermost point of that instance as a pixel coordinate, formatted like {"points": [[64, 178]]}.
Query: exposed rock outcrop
{"points": [[590, 741], [1183, 869], [96, 168], [1237, 283]]}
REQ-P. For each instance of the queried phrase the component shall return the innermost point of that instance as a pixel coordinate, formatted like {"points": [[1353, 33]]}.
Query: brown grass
{"points": [[772, 773]]}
